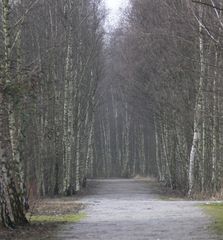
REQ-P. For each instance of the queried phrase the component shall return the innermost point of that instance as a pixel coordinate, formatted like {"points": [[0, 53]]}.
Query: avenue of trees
{"points": [[75, 102]]}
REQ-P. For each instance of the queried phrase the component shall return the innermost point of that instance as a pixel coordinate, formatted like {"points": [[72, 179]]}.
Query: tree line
{"points": [[164, 112], [51, 64]]}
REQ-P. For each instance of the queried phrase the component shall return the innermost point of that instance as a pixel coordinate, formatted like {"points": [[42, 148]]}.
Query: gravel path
{"points": [[131, 210]]}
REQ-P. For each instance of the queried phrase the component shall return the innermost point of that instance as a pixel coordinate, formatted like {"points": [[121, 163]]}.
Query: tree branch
{"points": [[208, 5]]}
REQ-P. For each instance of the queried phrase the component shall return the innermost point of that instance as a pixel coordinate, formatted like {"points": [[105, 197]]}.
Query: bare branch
{"points": [[208, 5]]}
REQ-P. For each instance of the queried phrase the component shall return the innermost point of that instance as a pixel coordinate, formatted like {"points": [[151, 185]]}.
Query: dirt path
{"points": [[131, 210]]}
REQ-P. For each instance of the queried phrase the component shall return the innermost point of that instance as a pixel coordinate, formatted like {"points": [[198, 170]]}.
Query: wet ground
{"points": [[132, 210]]}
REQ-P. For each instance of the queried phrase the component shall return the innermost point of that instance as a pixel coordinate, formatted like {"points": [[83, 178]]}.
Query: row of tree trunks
{"points": [[164, 94], [52, 66], [12, 197]]}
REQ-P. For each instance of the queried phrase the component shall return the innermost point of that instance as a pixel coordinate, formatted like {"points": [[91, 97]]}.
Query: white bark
{"points": [[6, 212], [67, 119], [198, 107], [127, 143], [78, 142], [215, 130], [158, 163], [167, 167]]}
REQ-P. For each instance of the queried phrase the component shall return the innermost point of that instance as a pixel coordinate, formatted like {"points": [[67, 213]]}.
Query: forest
{"points": [[79, 101]]}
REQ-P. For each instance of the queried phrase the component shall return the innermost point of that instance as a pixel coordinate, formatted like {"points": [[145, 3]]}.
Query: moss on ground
{"points": [[67, 218], [215, 210]]}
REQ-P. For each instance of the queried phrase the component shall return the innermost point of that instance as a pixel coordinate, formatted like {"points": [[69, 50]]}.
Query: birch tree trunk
{"points": [[67, 118], [125, 169], [11, 184], [198, 107], [215, 139], [167, 167], [158, 157], [7, 216]]}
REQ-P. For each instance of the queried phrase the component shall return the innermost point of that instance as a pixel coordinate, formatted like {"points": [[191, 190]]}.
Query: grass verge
{"points": [[215, 210], [67, 218], [47, 217]]}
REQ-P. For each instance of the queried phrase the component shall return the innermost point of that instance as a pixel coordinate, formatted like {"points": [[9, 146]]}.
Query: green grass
{"points": [[69, 218], [216, 211]]}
